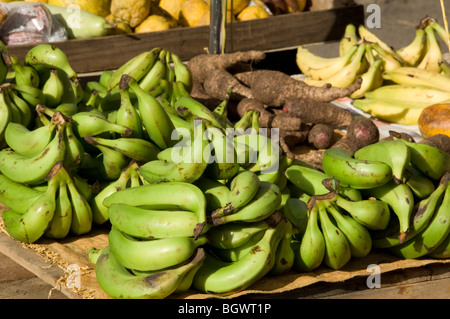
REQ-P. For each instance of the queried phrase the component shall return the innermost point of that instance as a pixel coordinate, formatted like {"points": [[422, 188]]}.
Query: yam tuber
{"points": [[321, 136], [274, 88], [361, 132], [315, 112], [218, 82], [201, 65]]}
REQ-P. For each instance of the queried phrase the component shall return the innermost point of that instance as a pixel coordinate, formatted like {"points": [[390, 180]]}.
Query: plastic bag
{"points": [[28, 23]]}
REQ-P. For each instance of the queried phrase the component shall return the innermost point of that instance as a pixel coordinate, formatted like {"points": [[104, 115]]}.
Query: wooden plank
{"points": [[276, 32], [28, 259]]}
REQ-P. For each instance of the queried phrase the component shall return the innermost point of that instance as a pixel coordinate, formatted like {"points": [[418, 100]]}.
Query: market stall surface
{"points": [[424, 280]]}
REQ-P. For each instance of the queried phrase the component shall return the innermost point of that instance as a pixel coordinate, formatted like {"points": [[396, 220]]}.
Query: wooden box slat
{"points": [[272, 33]]}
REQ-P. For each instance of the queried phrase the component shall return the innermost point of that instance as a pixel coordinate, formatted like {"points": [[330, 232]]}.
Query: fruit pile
{"points": [[194, 200], [397, 84], [103, 17]]}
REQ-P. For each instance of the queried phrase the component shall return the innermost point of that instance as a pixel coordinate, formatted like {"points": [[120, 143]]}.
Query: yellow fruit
{"points": [[98, 7], [155, 23], [238, 5], [172, 7], [301, 6], [118, 26], [206, 19], [133, 12], [252, 12], [435, 119], [192, 12]]}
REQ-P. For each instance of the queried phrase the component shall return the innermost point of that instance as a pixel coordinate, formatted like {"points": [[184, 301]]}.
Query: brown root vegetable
{"points": [[275, 87], [315, 112], [361, 132], [201, 65], [247, 104], [218, 82], [321, 136]]}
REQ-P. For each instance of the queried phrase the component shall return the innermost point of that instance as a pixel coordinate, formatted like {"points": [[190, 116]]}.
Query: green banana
{"points": [[32, 224], [309, 250], [222, 278], [394, 153], [265, 202], [243, 188], [27, 142], [74, 149], [421, 185], [373, 214], [236, 253], [33, 96], [182, 72], [196, 109], [431, 236], [153, 254], [53, 89], [62, 218], [428, 159], [284, 255], [81, 211], [47, 56], [311, 181], [23, 74], [91, 124], [135, 67], [358, 237], [421, 216], [5, 119], [138, 149], [216, 193], [349, 171], [223, 160], [127, 114], [118, 282], [112, 161], [150, 223], [400, 199], [187, 168], [17, 196], [26, 115], [296, 211], [442, 251], [337, 248], [33, 170], [99, 210], [16, 115], [154, 118], [152, 78], [161, 196], [233, 235]]}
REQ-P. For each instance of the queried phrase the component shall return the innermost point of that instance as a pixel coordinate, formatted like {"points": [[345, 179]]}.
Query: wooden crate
{"points": [[272, 33]]}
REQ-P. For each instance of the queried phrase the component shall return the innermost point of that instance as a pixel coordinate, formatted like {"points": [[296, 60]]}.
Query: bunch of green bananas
{"points": [[154, 245], [394, 189], [54, 209], [397, 83]]}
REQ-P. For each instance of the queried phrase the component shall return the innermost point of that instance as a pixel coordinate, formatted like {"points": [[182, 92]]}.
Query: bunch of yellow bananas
{"points": [[397, 83]]}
